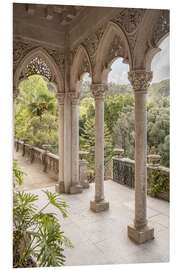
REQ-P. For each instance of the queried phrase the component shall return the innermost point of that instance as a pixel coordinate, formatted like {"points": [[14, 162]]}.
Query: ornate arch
{"points": [[81, 64], [154, 28], [39, 62], [113, 44]]}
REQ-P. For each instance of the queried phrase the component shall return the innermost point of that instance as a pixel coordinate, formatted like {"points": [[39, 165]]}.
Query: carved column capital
{"points": [[60, 98], [75, 97], [140, 80], [99, 90]]}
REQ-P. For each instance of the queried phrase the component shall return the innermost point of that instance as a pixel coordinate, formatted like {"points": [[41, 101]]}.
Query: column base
{"points": [[76, 189], [99, 206], [60, 187], [140, 236]]}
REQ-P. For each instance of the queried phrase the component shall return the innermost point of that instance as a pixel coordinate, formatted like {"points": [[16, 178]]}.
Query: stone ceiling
{"points": [[55, 15]]}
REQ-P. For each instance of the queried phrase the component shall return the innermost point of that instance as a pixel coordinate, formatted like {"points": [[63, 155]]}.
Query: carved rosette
{"points": [[75, 97], [99, 91], [140, 80], [60, 97]]}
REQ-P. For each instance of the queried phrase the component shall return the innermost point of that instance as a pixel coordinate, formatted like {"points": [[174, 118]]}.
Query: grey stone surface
{"points": [[101, 238]]}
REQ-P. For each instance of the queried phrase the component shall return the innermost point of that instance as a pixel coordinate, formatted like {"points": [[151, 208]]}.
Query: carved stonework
{"points": [[161, 28], [91, 43], [140, 80], [75, 97], [116, 49], [59, 59], [60, 97], [84, 66], [129, 19], [20, 49], [37, 66], [99, 90]]}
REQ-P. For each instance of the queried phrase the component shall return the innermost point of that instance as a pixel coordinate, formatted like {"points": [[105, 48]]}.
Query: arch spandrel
{"points": [[113, 44], [153, 29], [39, 62], [81, 65]]}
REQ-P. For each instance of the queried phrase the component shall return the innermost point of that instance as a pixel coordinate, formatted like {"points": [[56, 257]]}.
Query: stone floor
{"points": [[101, 238]]}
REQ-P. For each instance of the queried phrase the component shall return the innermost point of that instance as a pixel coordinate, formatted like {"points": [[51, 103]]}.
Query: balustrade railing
{"points": [[49, 161], [158, 181]]}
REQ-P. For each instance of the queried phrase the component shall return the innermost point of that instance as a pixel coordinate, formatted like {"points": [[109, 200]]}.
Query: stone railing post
{"points": [[83, 169], [99, 203], [75, 187], [60, 185], [139, 231]]}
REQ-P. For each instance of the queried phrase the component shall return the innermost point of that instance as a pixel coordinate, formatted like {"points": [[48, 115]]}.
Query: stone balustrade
{"points": [[48, 161], [124, 170]]}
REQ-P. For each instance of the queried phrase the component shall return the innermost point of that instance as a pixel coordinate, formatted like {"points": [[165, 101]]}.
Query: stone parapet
{"points": [[49, 162]]}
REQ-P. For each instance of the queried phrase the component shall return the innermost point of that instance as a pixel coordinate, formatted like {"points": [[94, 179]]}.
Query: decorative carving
{"points": [[39, 67], [129, 19], [58, 57], [140, 80], [75, 97], [91, 43], [84, 66], [20, 49], [161, 28], [99, 90], [60, 97], [116, 49]]}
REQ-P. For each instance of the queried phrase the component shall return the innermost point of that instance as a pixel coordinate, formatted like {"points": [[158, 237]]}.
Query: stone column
{"points": [[139, 231], [67, 143], [75, 187], [99, 203], [60, 185]]}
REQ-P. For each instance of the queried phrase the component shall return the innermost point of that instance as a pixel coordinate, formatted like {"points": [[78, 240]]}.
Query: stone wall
{"points": [[157, 177]]}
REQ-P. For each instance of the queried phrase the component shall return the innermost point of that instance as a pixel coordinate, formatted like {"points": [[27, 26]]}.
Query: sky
{"points": [[159, 66]]}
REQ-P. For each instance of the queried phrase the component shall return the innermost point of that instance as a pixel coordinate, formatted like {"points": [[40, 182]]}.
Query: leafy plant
{"points": [[38, 239], [159, 182]]}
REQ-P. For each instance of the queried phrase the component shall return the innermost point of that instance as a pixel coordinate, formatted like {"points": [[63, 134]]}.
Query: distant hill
{"points": [[155, 91]]}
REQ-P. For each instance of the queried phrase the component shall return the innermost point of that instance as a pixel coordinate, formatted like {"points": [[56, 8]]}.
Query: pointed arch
{"points": [[81, 64], [52, 72], [113, 44]]}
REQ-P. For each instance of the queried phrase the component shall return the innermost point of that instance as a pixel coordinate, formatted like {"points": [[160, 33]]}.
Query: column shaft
{"points": [[99, 204], [141, 160], [99, 150], [139, 231], [75, 183], [60, 185]]}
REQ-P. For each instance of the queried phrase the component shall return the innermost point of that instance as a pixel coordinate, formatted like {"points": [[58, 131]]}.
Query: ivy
{"points": [[159, 182]]}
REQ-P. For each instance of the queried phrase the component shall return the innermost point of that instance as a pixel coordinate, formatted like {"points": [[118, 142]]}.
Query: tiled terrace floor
{"points": [[101, 238]]}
